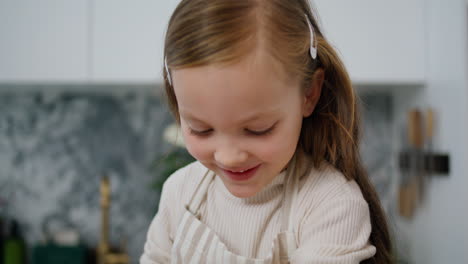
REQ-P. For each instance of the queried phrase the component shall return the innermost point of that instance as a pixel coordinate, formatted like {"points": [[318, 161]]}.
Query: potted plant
{"points": [[169, 162]]}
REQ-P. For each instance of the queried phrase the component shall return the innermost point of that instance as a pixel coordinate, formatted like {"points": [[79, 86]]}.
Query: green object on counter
{"points": [[1, 240], [14, 248], [14, 251], [53, 254]]}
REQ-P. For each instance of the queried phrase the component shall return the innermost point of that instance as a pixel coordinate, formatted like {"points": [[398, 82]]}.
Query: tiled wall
{"points": [[54, 148], [377, 148]]}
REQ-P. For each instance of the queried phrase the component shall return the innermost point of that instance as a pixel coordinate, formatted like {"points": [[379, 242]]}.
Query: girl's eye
{"points": [[207, 132], [200, 133], [261, 133]]}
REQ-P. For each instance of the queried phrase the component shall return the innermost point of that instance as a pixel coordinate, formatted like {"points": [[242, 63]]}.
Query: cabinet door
{"points": [[380, 41], [43, 41], [128, 40]]}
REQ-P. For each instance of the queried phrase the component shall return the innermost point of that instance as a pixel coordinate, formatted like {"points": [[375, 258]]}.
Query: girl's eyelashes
{"points": [[207, 132], [200, 133], [261, 133]]}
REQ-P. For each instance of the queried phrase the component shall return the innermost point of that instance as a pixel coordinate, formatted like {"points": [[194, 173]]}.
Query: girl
{"points": [[267, 109]]}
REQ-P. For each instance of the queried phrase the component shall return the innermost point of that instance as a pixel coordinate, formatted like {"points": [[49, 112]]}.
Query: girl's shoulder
{"points": [[327, 184], [177, 192], [184, 181], [332, 218], [192, 171]]}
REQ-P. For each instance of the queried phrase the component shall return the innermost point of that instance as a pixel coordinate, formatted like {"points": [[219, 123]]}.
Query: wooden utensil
{"points": [[409, 192]]}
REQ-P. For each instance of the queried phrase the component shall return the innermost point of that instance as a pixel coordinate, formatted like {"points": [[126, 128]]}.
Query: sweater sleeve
{"points": [[158, 244], [159, 239], [175, 192], [335, 232]]}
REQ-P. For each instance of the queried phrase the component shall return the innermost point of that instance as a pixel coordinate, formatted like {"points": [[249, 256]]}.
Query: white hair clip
{"points": [[313, 40], [169, 78]]}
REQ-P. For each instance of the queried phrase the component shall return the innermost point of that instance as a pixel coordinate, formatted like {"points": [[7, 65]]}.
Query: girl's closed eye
{"points": [[262, 132], [207, 132], [198, 133]]}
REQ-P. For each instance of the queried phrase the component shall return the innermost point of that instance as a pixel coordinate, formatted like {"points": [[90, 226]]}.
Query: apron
{"points": [[197, 243]]}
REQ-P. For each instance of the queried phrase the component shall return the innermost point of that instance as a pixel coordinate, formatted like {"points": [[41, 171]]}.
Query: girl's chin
{"points": [[242, 191]]}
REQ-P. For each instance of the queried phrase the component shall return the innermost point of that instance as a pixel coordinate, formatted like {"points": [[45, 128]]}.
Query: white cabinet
{"points": [[43, 41], [128, 40], [121, 41], [380, 41], [86, 41]]}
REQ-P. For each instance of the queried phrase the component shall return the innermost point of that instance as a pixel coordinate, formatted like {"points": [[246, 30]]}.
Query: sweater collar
{"points": [[269, 192]]}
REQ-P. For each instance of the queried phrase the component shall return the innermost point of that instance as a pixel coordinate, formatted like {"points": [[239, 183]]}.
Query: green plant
{"points": [[166, 164]]}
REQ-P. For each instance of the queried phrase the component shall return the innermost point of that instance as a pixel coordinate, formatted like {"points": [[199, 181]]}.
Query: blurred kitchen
{"points": [[86, 137]]}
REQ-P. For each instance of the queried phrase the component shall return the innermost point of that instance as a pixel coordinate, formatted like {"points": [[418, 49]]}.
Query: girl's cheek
{"points": [[275, 149], [271, 149], [199, 149]]}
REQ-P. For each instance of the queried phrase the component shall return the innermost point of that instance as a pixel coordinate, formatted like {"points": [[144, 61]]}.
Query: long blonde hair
{"points": [[202, 32]]}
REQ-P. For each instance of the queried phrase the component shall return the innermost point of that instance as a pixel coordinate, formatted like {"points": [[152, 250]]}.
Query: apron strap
{"points": [[296, 170], [289, 196], [194, 204]]}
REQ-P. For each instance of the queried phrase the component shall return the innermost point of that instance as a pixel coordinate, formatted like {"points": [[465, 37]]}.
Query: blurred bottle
{"points": [[1, 239], [14, 249]]}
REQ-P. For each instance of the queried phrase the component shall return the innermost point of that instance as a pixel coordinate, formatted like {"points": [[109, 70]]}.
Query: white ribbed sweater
{"points": [[331, 220]]}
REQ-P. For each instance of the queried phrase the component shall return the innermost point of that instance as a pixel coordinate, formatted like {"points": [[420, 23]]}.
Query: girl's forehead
{"points": [[234, 91], [258, 64], [250, 80]]}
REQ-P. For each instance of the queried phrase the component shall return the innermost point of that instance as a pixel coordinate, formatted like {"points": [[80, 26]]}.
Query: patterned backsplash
{"points": [[55, 147]]}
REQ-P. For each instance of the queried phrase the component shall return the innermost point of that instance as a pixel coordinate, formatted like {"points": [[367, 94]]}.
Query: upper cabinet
{"points": [[97, 41], [120, 41], [128, 38], [381, 42], [43, 41]]}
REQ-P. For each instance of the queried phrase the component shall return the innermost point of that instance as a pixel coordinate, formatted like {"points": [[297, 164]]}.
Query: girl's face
{"points": [[241, 116]]}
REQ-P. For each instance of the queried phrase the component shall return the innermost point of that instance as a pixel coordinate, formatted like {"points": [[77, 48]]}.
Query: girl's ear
{"points": [[312, 93]]}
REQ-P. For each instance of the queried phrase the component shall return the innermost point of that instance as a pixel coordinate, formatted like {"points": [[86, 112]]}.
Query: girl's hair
{"points": [[203, 32]]}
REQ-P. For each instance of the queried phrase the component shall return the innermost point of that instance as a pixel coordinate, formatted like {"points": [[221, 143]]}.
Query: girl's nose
{"points": [[230, 157]]}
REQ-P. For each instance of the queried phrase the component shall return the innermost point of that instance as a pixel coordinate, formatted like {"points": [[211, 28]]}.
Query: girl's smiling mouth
{"points": [[241, 175]]}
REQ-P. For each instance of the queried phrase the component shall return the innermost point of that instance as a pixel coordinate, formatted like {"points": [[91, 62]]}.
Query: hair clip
{"points": [[169, 78], [313, 40]]}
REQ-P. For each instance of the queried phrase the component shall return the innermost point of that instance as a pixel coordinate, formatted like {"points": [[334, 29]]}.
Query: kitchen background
{"points": [[80, 98]]}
